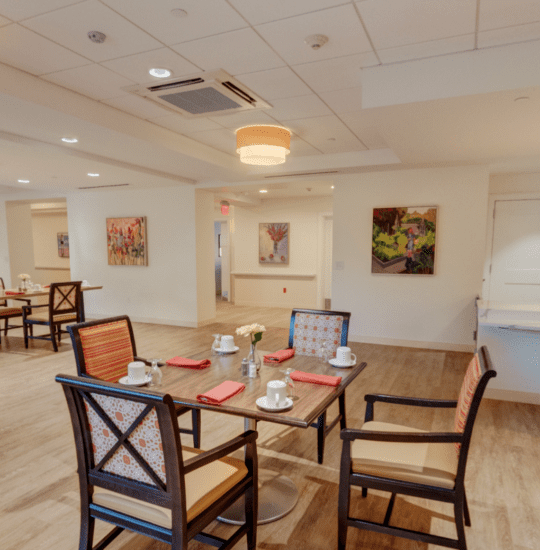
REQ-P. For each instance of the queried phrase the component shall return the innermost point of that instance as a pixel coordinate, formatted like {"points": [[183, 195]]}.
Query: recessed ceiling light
{"points": [[179, 13], [331, 187], [263, 191], [93, 175], [160, 73], [70, 140], [23, 181]]}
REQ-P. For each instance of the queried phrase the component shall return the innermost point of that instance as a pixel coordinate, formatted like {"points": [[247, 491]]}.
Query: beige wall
{"points": [[21, 242], [45, 227]]}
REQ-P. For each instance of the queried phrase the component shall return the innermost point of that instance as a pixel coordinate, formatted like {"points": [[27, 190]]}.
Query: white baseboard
{"points": [[150, 320], [290, 306], [511, 395], [444, 346]]}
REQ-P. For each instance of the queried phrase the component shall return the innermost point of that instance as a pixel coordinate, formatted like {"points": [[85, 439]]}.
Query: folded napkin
{"points": [[188, 363], [279, 356], [11, 293], [323, 379], [221, 393]]}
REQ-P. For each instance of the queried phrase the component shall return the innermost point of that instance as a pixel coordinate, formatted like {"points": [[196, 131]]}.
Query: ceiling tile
{"points": [[263, 11], [343, 101], [138, 106], [495, 14], [19, 9], [70, 26], [298, 107], [335, 74], [301, 148], [237, 52], [34, 54], [93, 81], [4, 21], [275, 83], [364, 128], [223, 140], [203, 18], [392, 23], [509, 35], [244, 118], [183, 125], [342, 26], [136, 67], [427, 49]]}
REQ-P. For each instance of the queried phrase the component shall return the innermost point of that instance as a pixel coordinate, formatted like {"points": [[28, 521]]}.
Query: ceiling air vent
{"points": [[302, 174], [211, 93]]}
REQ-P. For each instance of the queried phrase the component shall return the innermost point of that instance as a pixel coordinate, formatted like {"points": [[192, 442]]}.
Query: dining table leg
{"points": [[278, 495]]}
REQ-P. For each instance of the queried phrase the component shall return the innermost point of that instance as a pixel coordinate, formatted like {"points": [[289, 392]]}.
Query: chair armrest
{"points": [[28, 309], [219, 452], [402, 437], [371, 398]]}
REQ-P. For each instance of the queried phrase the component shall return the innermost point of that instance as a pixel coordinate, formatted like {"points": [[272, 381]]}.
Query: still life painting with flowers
{"points": [[274, 243], [126, 241]]}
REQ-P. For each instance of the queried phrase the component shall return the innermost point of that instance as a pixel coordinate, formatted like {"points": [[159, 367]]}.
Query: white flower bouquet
{"points": [[254, 331], [24, 276]]}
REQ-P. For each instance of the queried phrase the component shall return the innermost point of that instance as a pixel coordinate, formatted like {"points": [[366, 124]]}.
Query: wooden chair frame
{"points": [[73, 330], [323, 428], [3, 302], [169, 495], [456, 496], [55, 327]]}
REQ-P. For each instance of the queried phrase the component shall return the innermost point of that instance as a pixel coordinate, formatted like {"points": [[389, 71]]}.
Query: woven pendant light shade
{"points": [[263, 145]]}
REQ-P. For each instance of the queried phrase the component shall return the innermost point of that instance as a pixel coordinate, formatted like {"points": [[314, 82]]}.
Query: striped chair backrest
{"points": [[107, 350]]}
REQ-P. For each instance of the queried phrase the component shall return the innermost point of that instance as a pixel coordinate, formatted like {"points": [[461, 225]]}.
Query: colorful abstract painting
{"points": [[126, 241], [63, 245], [274, 243], [404, 240]]}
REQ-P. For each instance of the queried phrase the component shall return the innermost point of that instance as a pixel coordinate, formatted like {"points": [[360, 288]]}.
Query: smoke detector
{"points": [[97, 37], [316, 41]]}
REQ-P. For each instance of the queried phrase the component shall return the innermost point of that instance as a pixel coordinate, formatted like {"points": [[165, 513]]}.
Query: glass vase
{"points": [[254, 358]]}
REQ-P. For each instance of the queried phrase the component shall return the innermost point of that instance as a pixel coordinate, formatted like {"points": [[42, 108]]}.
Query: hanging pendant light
{"points": [[263, 145]]}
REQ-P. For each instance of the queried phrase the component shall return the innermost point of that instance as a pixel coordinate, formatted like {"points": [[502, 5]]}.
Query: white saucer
{"points": [[125, 380], [234, 350], [334, 362], [262, 404]]}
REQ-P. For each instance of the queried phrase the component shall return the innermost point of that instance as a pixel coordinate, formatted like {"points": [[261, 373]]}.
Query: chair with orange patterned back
{"points": [[104, 348], [308, 329], [134, 473]]}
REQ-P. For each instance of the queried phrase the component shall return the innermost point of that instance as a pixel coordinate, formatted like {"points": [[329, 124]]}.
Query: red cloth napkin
{"points": [[221, 393], [279, 356], [188, 363], [323, 379], [11, 293]]}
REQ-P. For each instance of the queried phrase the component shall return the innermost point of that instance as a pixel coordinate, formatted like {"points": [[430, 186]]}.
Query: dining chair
{"points": [[134, 473], [63, 307], [7, 313], [104, 348], [308, 329], [401, 459]]}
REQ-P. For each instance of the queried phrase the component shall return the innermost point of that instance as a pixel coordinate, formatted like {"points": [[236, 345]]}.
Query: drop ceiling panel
{"points": [[138, 106], [183, 125], [70, 26], [236, 52], [364, 126], [301, 148], [495, 14], [4, 21], [343, 101], [34, 54], [509, 35], [223, 140], [298, 107], [341, 25], [93, 81], [275, 83], [427, 49], [203, 18], [136, 67], [263, 11], [335, 74], [19, 9], [393, 23], [243, 118]]}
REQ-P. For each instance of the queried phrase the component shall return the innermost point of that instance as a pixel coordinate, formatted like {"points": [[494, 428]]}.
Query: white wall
{"points": [[162, 292], [514, 183], [5, 265], [433, 311]]}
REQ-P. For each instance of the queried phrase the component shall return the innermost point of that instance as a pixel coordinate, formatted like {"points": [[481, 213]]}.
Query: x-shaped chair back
{"points": [[64, 298]]}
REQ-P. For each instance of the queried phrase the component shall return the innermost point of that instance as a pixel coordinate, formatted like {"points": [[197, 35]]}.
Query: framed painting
{"points": [[126, 241], [274, 243], [404, 240], [63, 245]]}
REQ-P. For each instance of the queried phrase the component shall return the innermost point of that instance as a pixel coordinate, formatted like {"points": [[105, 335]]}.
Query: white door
{"points": [[515, 257]]}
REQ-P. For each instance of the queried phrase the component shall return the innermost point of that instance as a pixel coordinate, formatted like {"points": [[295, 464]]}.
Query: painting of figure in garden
{"points": [[274, 243], [126, 241], [404, 240]]}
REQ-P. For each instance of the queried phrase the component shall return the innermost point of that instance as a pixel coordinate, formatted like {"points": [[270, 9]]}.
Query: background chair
{"points": [[104, 348], [7, 312], [63, 307], [134, 473], [404, 460], [308, 329]]}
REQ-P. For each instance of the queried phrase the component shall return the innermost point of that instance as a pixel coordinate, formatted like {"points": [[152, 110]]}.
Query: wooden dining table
{"points": [[278, 494]]}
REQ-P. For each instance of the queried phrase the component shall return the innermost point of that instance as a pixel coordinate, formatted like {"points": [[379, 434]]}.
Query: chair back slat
{"points": [[64, 298]]}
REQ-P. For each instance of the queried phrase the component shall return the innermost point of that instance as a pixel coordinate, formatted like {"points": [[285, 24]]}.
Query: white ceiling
{"points": [[342, 102]]}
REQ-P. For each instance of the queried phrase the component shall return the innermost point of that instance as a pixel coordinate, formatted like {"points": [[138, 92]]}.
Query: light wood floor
{"points": [[39, 504]]}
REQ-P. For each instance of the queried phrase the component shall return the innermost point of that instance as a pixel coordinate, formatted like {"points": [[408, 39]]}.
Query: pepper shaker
{"points": [[245, 367]]}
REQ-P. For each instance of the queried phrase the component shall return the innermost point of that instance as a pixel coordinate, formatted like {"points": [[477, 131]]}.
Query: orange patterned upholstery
{"points": [[472, 377], [107, 350], [64, 297], [310, 330], [10, 311]]}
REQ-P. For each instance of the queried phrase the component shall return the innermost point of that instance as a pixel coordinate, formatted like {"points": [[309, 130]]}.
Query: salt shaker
{"points": [[252, 370], [155, 374], [245, 367]]}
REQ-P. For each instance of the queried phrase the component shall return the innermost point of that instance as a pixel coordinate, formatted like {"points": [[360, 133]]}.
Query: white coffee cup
{"points": [[344, 356], [276, 393], [136, 372], [227, 343]]}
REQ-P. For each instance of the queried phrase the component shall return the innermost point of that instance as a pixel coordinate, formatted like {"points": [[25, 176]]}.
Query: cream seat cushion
{"points": [[203, 487], [44, 317], [427, 463]]}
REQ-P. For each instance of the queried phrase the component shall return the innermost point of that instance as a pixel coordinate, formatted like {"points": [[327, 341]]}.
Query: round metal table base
{"points": [[278, 495]]}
